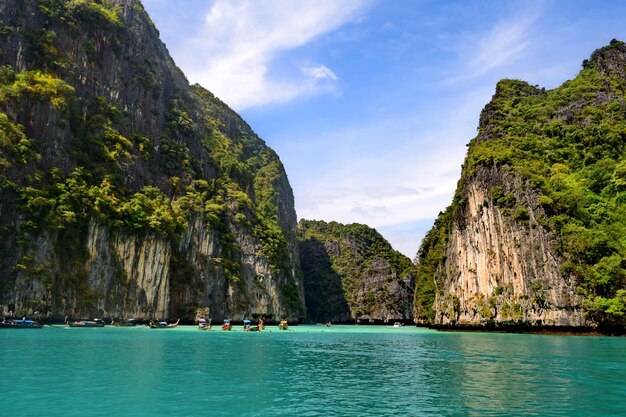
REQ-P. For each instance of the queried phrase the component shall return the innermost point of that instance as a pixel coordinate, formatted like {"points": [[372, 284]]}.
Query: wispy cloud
{"points": [[417, 185], [502, 45], [320, 72], [233, 53]]}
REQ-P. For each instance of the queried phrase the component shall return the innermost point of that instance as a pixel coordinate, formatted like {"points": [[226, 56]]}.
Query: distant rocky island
{"points": [[351, 273], [127, 192]]}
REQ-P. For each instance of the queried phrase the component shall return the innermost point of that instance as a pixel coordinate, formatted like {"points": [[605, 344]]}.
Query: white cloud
{"points": [[232, 54], [405, 237], [319, 73]]}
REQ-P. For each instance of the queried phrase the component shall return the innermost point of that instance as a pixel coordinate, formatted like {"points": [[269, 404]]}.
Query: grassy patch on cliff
{"points": [[86, 11], [15, 88]]}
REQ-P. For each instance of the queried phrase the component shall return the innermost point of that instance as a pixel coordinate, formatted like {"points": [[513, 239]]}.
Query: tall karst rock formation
{"points": [[535, 234], [124, 191], [351, 273]]}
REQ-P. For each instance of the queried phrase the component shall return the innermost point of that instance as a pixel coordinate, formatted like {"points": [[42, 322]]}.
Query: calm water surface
{"points": [[312, 371]]}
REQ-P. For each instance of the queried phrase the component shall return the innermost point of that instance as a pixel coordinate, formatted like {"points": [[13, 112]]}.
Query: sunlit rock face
{"points": [[501, 269]]}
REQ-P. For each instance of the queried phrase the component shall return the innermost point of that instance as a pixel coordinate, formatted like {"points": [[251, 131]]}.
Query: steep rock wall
{"points": [[502, 269], [128, 274], [255, 291], [141, 195]]}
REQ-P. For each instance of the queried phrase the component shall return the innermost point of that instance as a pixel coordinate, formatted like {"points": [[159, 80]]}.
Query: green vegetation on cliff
{"points": [[569, 144], [247, 172], [97, 123], [352, 272]]}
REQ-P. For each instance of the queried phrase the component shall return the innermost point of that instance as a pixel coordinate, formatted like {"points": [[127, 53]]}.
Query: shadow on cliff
{"points": [[324, 295]]}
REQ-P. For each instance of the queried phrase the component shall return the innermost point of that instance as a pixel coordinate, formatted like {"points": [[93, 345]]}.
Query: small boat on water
{"points": [[204, 324], [283, 325], [124, 323], [398, 324], [20, 324], [227, 325], [163, 324], [248, 327], [86, 323]]}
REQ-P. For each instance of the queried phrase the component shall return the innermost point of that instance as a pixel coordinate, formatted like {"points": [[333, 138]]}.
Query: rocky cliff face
{"points": [[124, 190], [533, 236], [352, 273], [502, 268]]}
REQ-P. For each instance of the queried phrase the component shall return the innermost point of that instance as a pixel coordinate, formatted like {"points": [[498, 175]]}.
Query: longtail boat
{"points": [[86, 323], [204, 324], [163, 324], [124, 323], [20, 324]]}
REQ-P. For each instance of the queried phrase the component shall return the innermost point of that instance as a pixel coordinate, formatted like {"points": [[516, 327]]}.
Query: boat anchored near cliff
{"points": [[124, 323], [163, 324], [20, 324], [86, 323], [204, 324]]}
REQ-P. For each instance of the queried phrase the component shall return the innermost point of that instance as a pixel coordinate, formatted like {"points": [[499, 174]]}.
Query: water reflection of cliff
{"points": [[494, 374]]}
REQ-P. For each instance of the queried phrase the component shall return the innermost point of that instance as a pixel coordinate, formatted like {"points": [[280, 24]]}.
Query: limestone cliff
{"points": [[499, 268], [124, 190], [534, 235], [352, 273]]}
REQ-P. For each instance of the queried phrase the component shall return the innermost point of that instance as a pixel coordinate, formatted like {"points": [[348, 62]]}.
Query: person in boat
{"points": [[282, 325], [226, 325]]}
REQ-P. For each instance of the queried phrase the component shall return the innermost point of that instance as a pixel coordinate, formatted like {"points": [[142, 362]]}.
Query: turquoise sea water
{"points": [[310, 371]]}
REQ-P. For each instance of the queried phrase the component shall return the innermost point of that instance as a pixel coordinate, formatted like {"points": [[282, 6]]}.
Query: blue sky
{"points": [[370, 103]]}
